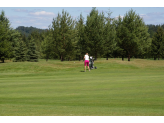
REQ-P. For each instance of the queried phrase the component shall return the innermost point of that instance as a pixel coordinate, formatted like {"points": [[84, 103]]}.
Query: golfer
{"points": [[86, 62]]}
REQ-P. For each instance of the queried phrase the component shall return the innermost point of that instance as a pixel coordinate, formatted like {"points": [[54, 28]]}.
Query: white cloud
{"points": [[153, 18], [143, 15], [35, 21], [43, 13], [44, 27]]}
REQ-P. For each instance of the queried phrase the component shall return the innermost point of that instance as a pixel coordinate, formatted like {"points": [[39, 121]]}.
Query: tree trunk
{"points": [[122, 58], [154, 58], [107, 57], [129, 58], [3, 60], [79, 58], [47, 58], [158, 57], [95, 56], [61, 58]]}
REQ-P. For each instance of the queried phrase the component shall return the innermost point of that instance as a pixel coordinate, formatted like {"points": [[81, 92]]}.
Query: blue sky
{"points": [[41, 13]]}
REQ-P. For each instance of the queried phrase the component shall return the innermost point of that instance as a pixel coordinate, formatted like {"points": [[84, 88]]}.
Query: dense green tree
{"points": [[63, 35], [28, 30], [95, 32], [5, 45], [32, 54], [24, 39], [38, 38], [67, 39], [20, 52], [109, 37], [144, 40], [119, 38], [15, 38], [157, 46], [152, 29], [81, 46], [22, 49], [133, 37], [47, 46], [71, 47]]}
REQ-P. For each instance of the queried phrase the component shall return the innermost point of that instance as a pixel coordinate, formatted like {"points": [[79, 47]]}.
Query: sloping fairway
{"points": [[56, 88]]}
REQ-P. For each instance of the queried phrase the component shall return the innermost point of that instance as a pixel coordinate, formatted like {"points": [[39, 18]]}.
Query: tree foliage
{"points": [[157, 45], [132, 34], [20, 52], [63, 35], [95, 32], [28, 30], [5, 45], [81, 46], [32, 54], [69, 39], [110, 44]]}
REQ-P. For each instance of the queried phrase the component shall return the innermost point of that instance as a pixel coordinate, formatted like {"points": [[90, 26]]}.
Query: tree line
{"points": [[28, 30], [69, 39]]}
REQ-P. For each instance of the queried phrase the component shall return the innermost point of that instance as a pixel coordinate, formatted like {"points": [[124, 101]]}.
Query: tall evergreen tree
{"points": [[109, 37], [20, 52], [63, 34], [95, 32], [15, 38], [119, 37], [82, 46], [47, 46], [32, 54], [17, 52], [38, 38], [5, 45], [22, 48], [157, 46], [133, 37]]}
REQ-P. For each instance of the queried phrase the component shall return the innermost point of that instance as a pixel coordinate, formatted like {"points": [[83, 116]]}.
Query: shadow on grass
{"points": [[84, 71]]}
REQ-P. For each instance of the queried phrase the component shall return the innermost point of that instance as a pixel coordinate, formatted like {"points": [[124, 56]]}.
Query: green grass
{"points": [[54, 88]]}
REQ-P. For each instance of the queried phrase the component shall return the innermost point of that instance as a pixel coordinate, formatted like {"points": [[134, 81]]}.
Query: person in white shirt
{"points": [[86, 62]]}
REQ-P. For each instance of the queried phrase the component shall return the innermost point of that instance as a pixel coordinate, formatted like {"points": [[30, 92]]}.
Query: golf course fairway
{"points": [[55, 88]]}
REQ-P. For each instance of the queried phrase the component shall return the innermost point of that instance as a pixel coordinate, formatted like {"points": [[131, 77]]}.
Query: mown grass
{"points": [[55, 88]]}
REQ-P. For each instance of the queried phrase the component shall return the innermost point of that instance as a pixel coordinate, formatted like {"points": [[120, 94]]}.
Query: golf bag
{"points": [[91, 62]]}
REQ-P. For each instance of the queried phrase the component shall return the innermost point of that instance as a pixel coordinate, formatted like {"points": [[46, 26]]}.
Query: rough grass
{"points": [[144, 63], [54, 88]]}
